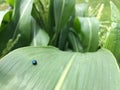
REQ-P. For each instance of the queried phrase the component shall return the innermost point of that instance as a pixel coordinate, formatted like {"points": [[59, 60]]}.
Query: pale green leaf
{"points": [[58, 70]]}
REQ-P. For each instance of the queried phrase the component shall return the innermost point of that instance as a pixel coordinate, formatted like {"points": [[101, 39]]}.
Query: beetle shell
{"points": [[34, 62]]}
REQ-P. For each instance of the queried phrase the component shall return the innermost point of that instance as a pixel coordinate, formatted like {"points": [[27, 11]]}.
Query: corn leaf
{"points": [[57, 70]]}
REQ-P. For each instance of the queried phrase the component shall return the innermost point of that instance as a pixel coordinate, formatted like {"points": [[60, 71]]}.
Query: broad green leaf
{"points": [[40, 37], [57, 70], [113, 40], [87, 29]]}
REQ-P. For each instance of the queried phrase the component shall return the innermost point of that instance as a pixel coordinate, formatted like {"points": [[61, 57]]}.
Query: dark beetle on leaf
{"points": [[34, 62]]}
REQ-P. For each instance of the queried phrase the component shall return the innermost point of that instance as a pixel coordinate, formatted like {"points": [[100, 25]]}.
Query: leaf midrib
{"points": [[90, 34], [65, 72]]}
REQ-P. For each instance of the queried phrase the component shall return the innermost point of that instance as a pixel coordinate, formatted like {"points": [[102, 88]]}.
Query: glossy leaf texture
{"points": [[58, 70], [87, 28], [113, 40]]}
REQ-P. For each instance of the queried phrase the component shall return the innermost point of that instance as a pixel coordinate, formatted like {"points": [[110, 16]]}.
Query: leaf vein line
{"points": [[90, 34], [64, 74]]}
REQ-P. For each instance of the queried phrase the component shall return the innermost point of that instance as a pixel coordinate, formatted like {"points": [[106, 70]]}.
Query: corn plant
{"points": [[55, 45]]}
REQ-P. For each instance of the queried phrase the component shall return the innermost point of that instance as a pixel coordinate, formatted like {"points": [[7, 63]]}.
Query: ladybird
{"points": [[34, 62]]}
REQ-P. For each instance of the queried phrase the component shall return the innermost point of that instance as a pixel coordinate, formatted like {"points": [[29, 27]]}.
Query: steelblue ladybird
{"points": [[34, 62]]}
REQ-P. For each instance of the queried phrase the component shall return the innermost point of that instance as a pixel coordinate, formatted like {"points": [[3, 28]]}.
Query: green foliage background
{"points": [[106, 11], [56, 69]]}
